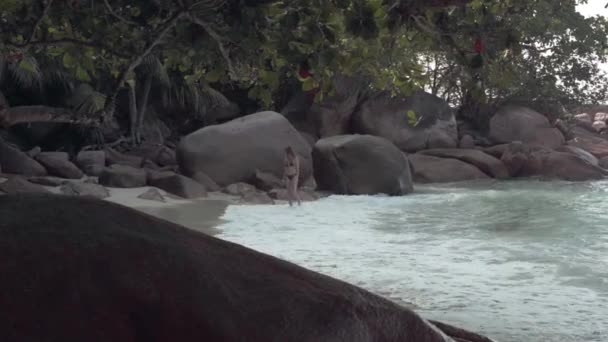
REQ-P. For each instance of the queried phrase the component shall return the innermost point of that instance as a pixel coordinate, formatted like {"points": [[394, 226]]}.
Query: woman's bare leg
{"points": [[288, 183], [294, 190]]}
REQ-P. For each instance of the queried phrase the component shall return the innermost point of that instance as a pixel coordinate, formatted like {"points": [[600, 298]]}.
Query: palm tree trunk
{"points": [[132, 113], [143, 104], [27, 114]]}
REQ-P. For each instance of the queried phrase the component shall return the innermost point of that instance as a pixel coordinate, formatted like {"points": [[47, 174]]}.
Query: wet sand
{"points": [[200, 214]]}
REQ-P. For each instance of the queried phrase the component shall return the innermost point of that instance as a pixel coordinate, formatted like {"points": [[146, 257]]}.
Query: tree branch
{"points": [[218, 39], [116, 15], [45, 11], [109, 107], [62, 41]]}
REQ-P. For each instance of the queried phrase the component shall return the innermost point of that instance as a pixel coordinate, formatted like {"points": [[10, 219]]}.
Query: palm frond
{"points": [[55, 74], [153, 66], [26, 73], [213, 97], [193, 97], [2, 67], [207, 9], [86, 101]]}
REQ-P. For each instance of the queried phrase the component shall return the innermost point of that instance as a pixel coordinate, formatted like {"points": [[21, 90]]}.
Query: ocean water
{"points": [[518, 261]]}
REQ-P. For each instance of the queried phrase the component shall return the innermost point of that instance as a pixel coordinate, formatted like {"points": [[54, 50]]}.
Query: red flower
{"points": [[479, 45]]}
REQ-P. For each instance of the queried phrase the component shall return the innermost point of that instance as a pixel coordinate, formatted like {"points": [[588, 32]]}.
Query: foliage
{"points": [[186, 48]]}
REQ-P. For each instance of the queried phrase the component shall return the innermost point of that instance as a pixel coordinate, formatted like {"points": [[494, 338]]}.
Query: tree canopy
{"points": [[81, 54]]}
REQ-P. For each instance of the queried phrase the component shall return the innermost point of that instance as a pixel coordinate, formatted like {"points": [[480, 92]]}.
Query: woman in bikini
{"points": [[291, 173]]}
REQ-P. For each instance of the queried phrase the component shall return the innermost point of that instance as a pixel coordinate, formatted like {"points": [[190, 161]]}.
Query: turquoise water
{"points": [[519, 261]]}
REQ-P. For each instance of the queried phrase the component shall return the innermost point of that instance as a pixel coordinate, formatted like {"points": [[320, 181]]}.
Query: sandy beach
{"points": [[199, 214]]}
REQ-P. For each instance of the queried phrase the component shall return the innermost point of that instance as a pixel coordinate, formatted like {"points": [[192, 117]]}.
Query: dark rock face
{"points": [[361, 165], [386, 116], [81, 269], [122, 176], [17, 162], [233, 151]]}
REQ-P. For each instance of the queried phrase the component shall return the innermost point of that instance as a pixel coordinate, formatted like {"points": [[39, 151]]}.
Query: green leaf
{"points": [[309, 84], [82, 74], [214, 75], [68, 61], [28, 65], [412, 118]]}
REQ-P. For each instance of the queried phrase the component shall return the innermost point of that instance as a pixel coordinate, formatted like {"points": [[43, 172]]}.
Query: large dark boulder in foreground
{"points": [[361, 165], [515, 123], [17, 162], [387, 117], [232, 152], [80, 269]]}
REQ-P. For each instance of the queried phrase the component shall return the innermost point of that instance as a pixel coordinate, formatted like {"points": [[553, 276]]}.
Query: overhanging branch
{"points": [[70, 41], [116, 15], [109, 107], [218, 39]]}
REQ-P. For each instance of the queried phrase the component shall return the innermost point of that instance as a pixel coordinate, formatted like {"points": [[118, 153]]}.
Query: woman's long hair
{"points": [[289, 151]]}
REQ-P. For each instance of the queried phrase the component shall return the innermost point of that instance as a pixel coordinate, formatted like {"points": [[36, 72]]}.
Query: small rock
{"points": [[583, 118], [91, 162], [305, 196], [152, 194], [114, 157], [48, 181], [467, 142], [599, 125], [16, 162], [266, 181], [206, 181], [166, 157], [72, 188], [256, 197], [17, 185], [122, 176], [601, 116], [154, 175], [58, 164], [64, 156], [181, 186], [34, 152], [239, 189]]}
